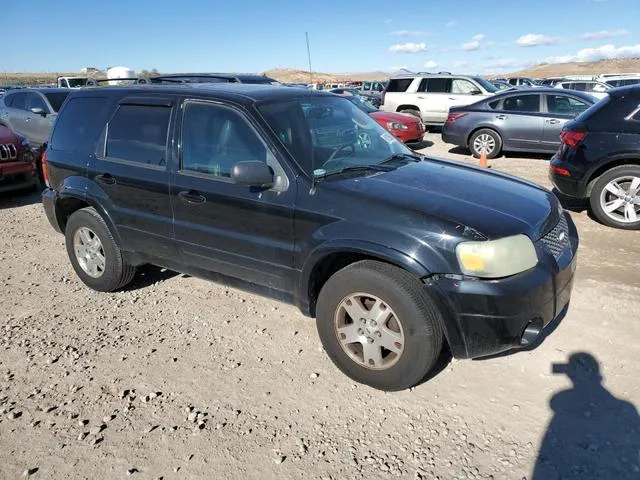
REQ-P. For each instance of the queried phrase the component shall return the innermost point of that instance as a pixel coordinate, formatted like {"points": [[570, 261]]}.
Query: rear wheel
{"points": [[378, 326], [615, 198], [94, 253], [487, 140]]}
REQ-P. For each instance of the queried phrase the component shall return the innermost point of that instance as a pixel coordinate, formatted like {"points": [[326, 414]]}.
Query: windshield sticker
{"points": [[318, 172], [387, 137]]}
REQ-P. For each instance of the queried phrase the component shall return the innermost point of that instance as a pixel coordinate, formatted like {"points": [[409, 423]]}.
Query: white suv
{"points": [[429, 96]]}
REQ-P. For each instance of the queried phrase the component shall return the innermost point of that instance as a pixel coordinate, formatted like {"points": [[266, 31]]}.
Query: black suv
{"points": [[267, 188], [599, 158]]}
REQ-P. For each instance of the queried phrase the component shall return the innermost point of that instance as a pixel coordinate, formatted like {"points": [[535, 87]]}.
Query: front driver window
{"points": [[215, 138]]}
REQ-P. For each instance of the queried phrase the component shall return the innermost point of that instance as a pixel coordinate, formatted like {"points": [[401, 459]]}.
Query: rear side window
{"points": [[19, 101], [8, 99], [56, 99], [399, 84], [79, 124], [608, 115], [439, 85], [138, 133], [522, 103]]}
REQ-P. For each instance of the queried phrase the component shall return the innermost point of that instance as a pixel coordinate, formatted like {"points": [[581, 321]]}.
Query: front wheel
{"points": [[94, 253], [378, 326], [615, 198], [486, 140]]}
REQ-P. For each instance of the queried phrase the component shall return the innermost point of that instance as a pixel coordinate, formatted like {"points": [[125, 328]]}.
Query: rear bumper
{"points": [[573, 185], [486, 317], [49, 197], [455, 138]]}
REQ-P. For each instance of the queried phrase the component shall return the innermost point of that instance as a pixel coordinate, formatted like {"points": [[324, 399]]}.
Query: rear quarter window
{"points": [[399, 84], [79, 124], [608, 115]]}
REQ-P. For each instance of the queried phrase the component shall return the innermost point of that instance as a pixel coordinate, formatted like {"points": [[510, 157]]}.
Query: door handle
{"points": [[420, 97], [27, 119], [501, 117], [452, 98], [106, 179], [191, 196], [553, 121]]}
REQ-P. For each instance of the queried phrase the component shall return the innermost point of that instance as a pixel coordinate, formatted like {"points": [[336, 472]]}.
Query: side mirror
{"points": [[476, 92], [39, 111], [252, 173]]}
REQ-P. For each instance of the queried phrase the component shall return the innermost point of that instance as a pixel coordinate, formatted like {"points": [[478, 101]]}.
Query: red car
{"points": [[17, 162], [407, 128]]}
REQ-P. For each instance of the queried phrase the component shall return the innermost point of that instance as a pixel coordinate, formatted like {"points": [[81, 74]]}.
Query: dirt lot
{"points": [[178, 378]]}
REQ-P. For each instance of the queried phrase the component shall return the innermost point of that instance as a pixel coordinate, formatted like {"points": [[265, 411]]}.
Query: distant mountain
{"points": [[621, 65], [292, 75]]}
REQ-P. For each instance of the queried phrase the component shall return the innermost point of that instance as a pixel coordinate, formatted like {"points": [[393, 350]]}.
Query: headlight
{"points": [[397, 126], [497, 258]]}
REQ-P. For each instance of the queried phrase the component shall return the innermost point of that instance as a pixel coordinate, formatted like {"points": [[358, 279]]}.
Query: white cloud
{"points": [[408, 47], [451, 23], [430, 64], [598, 53], [460, 64], [408, 33], [535, 39], [604, 34], [476, 42]]}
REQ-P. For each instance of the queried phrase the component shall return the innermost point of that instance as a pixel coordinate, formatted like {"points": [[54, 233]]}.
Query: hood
{"points": [[403, 118], [8, 137], [494, 204]]}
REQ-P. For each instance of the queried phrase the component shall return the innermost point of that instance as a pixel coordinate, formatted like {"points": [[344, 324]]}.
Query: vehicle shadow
{"points": [[420, 145], [592, 435], [19, 198], [443, 362], [528, 155], [460, 151], [147, 275]]}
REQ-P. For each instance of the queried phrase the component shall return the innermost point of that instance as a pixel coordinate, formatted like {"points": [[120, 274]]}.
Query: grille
{"points": [[558, 238]]}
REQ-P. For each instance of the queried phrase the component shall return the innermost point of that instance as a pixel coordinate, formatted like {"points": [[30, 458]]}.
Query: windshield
{"points": [[77, 82], [56, 99], [328, 134], [363, 105], [488, 86]]}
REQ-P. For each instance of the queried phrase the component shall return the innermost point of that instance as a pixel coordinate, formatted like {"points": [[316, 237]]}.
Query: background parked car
{"points": [[593, 87], [17, 162], [599, 159], [621, 80], [429, 96], [519, 121], [30, 112], [521, 82], [406, 127], [501, 85]]}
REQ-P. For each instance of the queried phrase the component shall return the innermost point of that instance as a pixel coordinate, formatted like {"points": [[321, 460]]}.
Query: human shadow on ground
{"points": [[592, 435]]}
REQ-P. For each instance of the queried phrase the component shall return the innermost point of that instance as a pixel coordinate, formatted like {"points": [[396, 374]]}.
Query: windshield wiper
{"points": [[401, 156], [356, 168]]}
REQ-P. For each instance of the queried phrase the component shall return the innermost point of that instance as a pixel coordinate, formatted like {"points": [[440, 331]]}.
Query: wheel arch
{"points": [[327, 259], [406, 106], [613, 162]]}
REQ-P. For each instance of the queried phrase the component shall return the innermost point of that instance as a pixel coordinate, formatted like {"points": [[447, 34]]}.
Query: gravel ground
{"points": [[180, 378]]}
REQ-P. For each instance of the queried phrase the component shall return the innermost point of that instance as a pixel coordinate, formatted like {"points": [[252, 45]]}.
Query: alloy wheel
{"points": [[369, 331], [89, 252], [484, 142], [620, 199]]}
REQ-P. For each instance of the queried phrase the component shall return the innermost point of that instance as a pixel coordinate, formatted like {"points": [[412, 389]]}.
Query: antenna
{"points": [[309, 57]]}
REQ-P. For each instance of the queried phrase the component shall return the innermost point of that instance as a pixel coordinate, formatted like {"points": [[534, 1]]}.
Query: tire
{"points": [[413, 319], [115, 273], [627, 178], [412, 111], [492, 141]]}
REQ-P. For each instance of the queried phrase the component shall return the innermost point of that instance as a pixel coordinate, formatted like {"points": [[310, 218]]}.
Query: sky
{"points": [[463, 36]]}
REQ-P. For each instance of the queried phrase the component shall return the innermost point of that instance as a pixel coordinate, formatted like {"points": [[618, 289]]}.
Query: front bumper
{"points": [[16, 176], [414, 133], [486, 317]]}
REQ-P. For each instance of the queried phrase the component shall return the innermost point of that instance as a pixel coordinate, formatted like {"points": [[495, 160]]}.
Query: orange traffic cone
{"points": [[483, 158]]}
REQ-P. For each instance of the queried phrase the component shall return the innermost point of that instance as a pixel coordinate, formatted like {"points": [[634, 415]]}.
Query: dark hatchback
{"points": [[528, 120], [599, 159], [267, 189]]}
